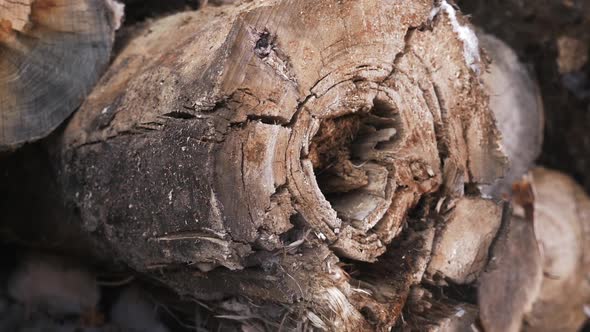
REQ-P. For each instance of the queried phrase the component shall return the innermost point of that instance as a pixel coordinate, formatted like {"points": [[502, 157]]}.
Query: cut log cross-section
{"points": [[52, 52], [274, 150]]}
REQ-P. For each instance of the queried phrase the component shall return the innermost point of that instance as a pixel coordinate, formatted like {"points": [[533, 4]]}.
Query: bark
{"points": [[238, 152], [51, 55]]}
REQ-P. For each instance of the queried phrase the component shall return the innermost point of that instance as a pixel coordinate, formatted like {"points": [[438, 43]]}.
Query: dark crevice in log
{"points": [[266, 47], [271, 120], [179, 115], [502, 232], [345, 175], [443, 150], [264, 44], [141, 10], [407, 49], [137, 130]]}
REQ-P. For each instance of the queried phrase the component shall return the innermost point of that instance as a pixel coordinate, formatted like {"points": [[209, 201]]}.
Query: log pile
{"points": [[52, 52], [334, 165]]}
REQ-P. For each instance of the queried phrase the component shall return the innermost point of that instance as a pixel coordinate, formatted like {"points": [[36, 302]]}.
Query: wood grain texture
{"points": [[194, 154], [461, 248], [562, 229], [51, 54]]}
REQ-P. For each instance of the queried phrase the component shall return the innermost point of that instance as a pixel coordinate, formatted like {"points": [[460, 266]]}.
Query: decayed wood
{"points": [[52, 52], [512, 280], [201, 157], [438, 313]]}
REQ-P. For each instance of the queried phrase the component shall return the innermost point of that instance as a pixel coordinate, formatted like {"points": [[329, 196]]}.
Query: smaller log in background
{"points": [[552, 37]]}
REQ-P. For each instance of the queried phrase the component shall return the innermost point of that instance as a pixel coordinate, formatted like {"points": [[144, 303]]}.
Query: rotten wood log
{"points": [[236, 152], [176, 154], [516, 102], [52, 52]]}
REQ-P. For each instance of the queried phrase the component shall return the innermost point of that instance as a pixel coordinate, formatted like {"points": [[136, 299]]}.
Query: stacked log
{"points": [[251, 157], [331, 165], [52, 52]]}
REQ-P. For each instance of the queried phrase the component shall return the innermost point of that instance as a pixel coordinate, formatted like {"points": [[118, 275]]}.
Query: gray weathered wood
{"points": [[516, 102], [52, 52]]}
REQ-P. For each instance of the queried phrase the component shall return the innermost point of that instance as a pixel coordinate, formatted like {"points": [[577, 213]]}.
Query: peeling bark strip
{"points": [[52, 52], [274, 150]]}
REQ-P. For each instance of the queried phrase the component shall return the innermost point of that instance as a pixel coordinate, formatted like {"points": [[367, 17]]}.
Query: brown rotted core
{"points": [[330, 154], [347, 154]]}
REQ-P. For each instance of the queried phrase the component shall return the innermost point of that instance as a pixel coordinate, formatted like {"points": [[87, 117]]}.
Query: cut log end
{"points": [[51, 55], [536, 280]]}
